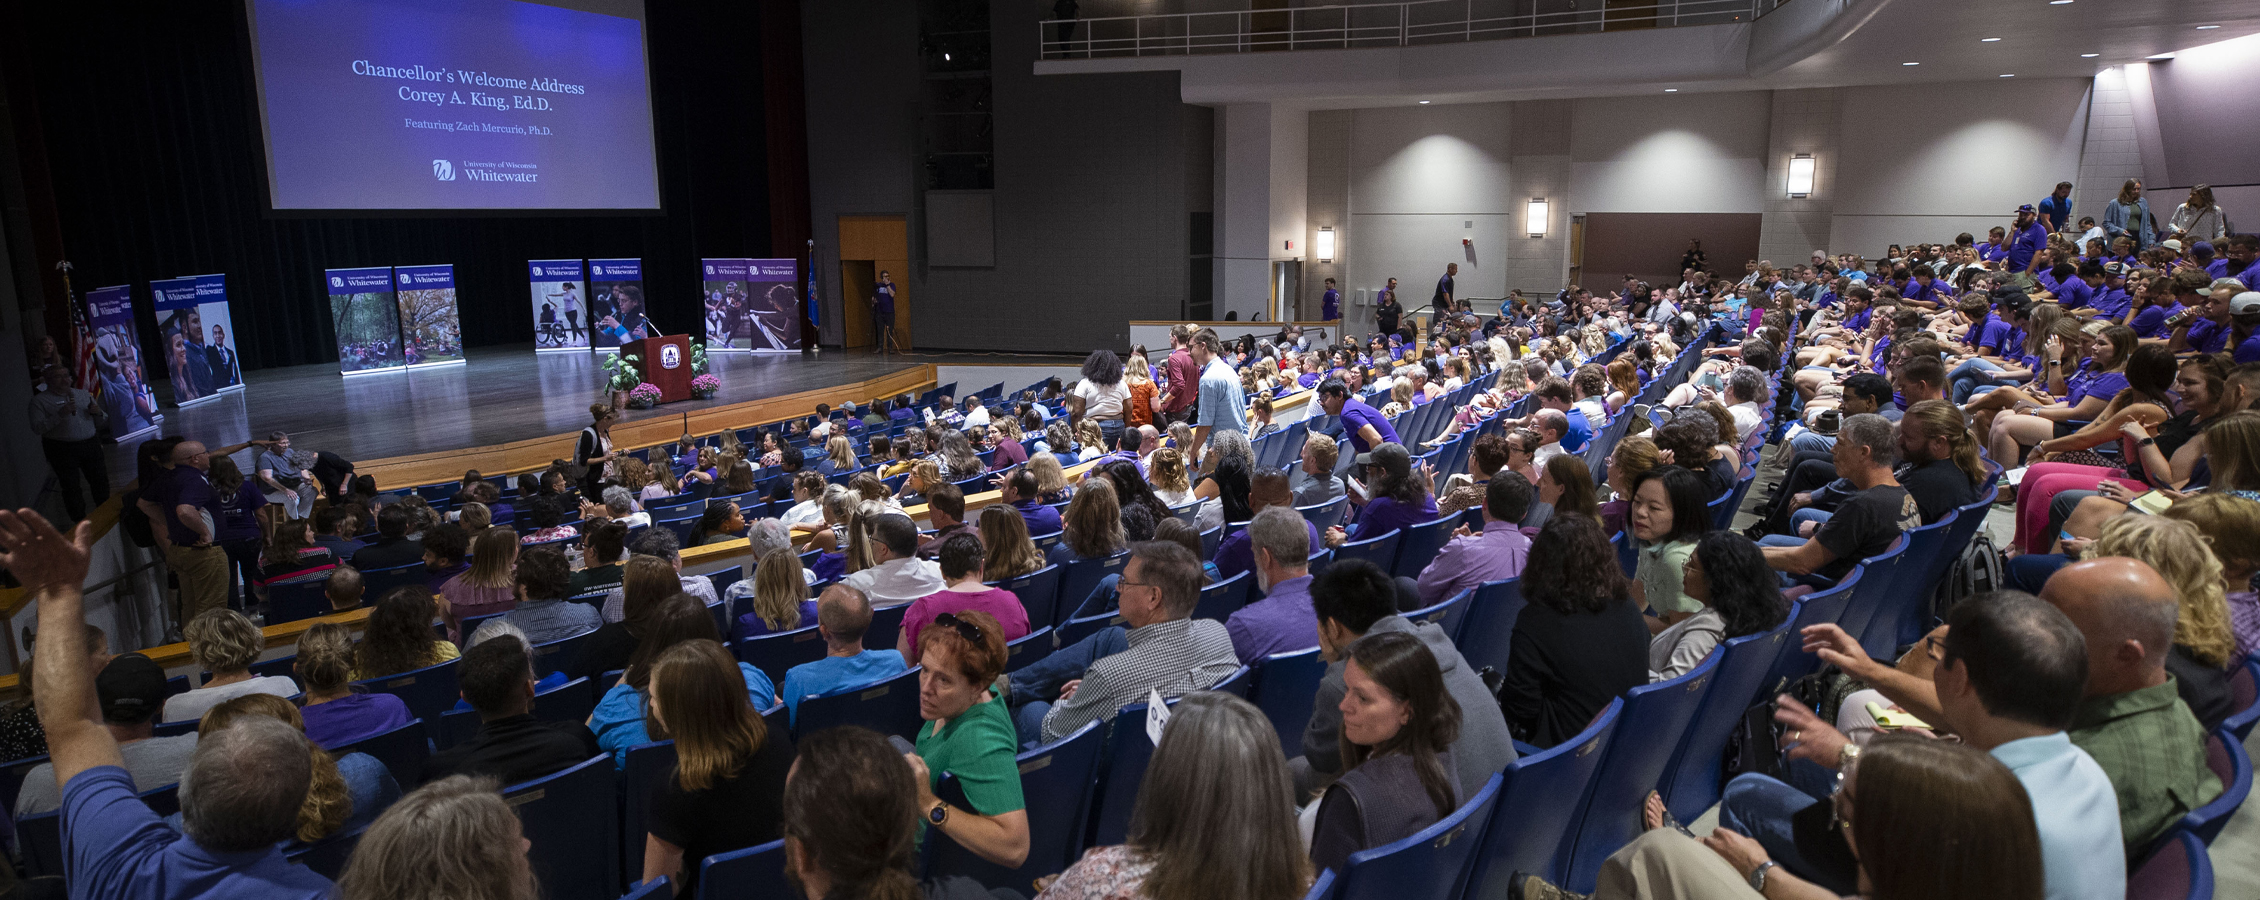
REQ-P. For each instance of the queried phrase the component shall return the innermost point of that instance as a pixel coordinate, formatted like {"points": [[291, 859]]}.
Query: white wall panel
{"points": [[1694, 153], [1997, 145], [1415, 248], [1430, 159]]}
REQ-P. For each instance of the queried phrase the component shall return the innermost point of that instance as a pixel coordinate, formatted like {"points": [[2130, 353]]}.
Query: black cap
{"points": [[132, 689]]}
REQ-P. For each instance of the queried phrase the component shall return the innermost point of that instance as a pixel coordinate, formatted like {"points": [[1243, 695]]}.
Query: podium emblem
{"points": [[670, 356]]}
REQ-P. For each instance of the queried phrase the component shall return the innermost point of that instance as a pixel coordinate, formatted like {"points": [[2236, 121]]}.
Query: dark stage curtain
{"points": [[151, 127]]}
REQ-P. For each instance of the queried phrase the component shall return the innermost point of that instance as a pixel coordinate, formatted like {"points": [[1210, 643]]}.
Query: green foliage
{"points": [[698, 358], [621, 374]]}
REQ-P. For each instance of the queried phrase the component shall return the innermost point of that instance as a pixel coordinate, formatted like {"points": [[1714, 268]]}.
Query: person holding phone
{"points": [[2033, 416]]}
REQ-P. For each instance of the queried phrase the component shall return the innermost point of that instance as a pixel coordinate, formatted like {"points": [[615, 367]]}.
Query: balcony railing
{"points": [[1406, 24]]}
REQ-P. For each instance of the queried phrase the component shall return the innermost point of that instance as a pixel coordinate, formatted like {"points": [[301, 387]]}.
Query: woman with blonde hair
{"points": [[224, 643], [1051, 480], [861, 521], [663, 483], [346, 792], [1138, 410], [488, 587], [1008, 551], [780, 597], [453, 838], [1172, 483], [728, 786], [335, 714], [1093, 524], [831, 541], [2204, 643], [924, 476], [475, 517], [2231, 526], [839, 456]]}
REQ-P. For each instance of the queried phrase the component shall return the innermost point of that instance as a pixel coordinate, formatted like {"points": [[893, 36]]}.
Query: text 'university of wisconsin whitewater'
{"points": [[485, 171]]}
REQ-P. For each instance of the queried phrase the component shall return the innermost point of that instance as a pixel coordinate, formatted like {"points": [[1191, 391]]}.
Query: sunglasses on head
{"points": [[965, 629]]}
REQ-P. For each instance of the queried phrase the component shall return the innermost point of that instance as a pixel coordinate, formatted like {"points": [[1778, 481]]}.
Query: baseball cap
{"points": [[132, 689], [2201, 248], [1388, 456], [2114, 268], [2025, 208], [2171, 244], [2241, 304]]}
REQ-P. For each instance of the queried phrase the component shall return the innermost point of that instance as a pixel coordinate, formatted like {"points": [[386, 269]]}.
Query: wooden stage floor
{"points": [[501, 394]]}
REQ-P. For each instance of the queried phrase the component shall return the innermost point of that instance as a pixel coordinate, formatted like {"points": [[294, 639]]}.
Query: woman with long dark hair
{"points": [[1132, 491], [398, 637], [1398, 724], [622, 718], [1668, 515], [1101, 395], [1580, 642], [728, 786], [1728, 577]]}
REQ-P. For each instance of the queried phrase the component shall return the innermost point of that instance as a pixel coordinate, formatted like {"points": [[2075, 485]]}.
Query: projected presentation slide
{"points": [[454, 104]]}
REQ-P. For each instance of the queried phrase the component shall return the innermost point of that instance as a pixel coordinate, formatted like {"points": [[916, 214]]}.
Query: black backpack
{"points": [[1982, 568]]}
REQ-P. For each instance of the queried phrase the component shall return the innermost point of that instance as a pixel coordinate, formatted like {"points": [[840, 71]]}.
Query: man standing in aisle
{"points": [[1223, 406], [2026, 238], [1330, 306], [65, 418], [190, 510], [2056, 209], [1184, 377], [1443, 302]]}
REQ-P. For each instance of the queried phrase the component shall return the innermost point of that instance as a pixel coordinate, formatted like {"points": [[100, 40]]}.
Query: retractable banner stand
{"points": [[366, 317], [561, 310], [121, 381], [615, 308], [431, 328], [194, 329], [752, 305]]}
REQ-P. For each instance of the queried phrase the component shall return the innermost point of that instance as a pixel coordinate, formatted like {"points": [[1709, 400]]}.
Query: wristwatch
{"points": [[1846, 756], [939, 814], [2145, 442], [1758, 876]]}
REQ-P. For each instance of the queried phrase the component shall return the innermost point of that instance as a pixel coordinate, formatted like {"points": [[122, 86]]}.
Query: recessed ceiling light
{"points": [[1424, 103], [2090, 55], [2058, 2], [1989, 40], [1910, 64], [1671, 90], [2010, 75], [2207, 27]]}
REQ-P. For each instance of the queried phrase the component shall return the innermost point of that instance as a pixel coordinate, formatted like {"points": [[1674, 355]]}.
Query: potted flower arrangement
{"points": [[704, 386], [644, 396], [620, 378]]}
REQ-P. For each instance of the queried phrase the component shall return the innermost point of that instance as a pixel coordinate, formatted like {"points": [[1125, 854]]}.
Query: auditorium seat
{"points": [[886, 625], [1038, 592], [1432, 864], [561, 655], [1877, 586], [2244, 696], [1018, 654], [1238, 683], [1655, 717], [1212, 539], [1123, 769], [2179, 870], [1487, 632], [1219, 600], [887, 707], [402, 750], [2226, 756], [1448, 615], [776, 653], [1691, 783], [574, 827], [660, 888], [375, 583], [1417, 545], [1813, 609], [1540, 797], [1074, 630], [428, 691], [1380, 551], [1079, 577], [327, 857], [292, 601], [1904, 610], [1057, 780], [1285, 685], [1325, 515], [1321, 887], [648, 766]]}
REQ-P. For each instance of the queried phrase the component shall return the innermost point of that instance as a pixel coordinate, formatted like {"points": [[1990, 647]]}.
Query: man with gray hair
{"points": [[1553, 425], [897, 575], [1865, 524], [842, 615], [1281, 622], [662, 544], [1745, 386], [1165, 649], [239, 799], [620, 506]]}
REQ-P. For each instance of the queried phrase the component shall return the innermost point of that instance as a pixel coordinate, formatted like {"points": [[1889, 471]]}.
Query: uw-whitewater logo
{"points": [[709, 270], [336, 281], [443, 170], [670, 356]]}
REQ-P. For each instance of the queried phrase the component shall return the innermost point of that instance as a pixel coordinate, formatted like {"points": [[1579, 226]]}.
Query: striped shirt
{"points": [[1175, 657]]}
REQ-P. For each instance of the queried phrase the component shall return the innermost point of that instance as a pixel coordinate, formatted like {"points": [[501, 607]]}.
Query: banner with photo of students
{"points": [[616, 304], [752, 305], [431, 327], [197, 335], [365, 314], [121, 380], [561, 319]]}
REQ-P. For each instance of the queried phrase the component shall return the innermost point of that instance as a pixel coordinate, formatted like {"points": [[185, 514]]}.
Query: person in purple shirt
{"points": [[1281, 622], [1496, 553], [1020, 493], [2077, 292], [2240, 260], [2112, 300], [1996, 245], [2208, 330], [1399, 498], [1925, 289], [1267, 489], [336, 716], [2244, 318], [2026, 238], [1330, 306], [1365, 426], [251, 777]]}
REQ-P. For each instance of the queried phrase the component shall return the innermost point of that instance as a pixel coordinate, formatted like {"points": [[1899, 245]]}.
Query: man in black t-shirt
{"points": [[1387, 311], [497, 678], [1864, 525], [1933, 448]]}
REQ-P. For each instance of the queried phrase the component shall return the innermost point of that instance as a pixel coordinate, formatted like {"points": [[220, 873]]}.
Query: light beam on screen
{"points": [[454, 105]]}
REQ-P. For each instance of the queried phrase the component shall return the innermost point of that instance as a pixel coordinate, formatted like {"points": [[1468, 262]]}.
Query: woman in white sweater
{"points": [[1728, 575]]}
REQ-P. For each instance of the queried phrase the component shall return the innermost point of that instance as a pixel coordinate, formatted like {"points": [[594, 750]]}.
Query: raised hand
{"points": [[41, 557]]}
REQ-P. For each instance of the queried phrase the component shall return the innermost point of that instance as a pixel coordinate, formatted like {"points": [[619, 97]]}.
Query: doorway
{"points": [[870, 245], [1286, 291]]}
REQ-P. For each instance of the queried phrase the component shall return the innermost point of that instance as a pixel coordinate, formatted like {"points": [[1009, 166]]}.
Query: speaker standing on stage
{"points": [[595, 449], [65, 418], [883, 307]]}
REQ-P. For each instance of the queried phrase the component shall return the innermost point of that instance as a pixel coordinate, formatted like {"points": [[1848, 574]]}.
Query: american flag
{"points": [[82, 346]]}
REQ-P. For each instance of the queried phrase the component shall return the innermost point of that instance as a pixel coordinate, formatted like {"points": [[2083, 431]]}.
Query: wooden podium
{"points": [[665, 362]]}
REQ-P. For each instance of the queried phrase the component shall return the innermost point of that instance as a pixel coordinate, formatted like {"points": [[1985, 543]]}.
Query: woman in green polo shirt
{"points": [[1668, 515], [971, 737]]}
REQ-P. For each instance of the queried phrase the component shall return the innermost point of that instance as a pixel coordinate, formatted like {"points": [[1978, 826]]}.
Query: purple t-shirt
{"points": [[2151, 321], [2249, 350], [1383, 515], [1994, 334], [2092, 383], [347, 719], [1356, 415], [998, 602], [1042, 519], [116, 846], [2208, 336], [1238, 553], [189, 487], [750, 625]]}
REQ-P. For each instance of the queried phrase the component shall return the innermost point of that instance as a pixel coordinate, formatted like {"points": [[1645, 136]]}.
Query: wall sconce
{"points": [[1801, 175], [1325, 245], [1534, 217]]}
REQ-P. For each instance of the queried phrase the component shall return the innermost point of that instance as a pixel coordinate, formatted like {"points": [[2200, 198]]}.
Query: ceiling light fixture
{"points": [[1671, 90], [1910, 64], [2010, 75], [2159, 56], [1424, 103], [2207, 27], [2058, 2], [1989, 40], [2090, 55]]}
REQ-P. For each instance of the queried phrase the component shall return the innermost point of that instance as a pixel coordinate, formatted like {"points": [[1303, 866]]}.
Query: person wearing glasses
{"points": [[970, 737]]}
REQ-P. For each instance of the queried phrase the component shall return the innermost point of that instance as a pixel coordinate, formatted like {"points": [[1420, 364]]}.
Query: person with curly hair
{"points": [[1580, 642]]}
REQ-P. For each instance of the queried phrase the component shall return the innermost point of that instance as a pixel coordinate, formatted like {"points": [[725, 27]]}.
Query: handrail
{"points": [[1349, 26]]}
